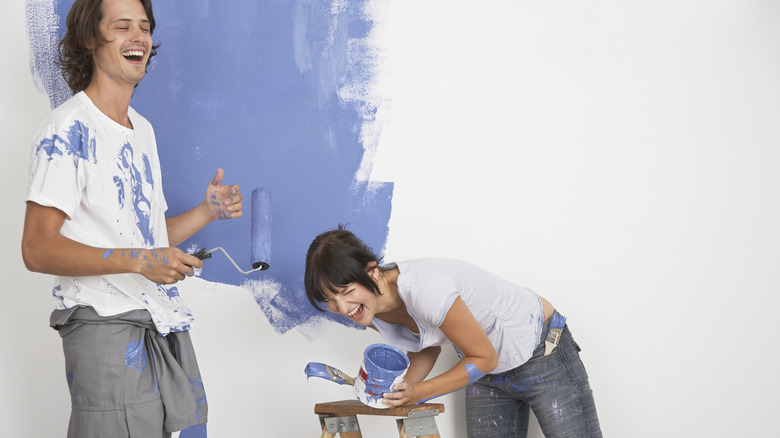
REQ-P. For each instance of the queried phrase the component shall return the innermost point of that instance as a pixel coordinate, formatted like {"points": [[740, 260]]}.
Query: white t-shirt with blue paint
{"points": [[106, 178], [512, 316]]}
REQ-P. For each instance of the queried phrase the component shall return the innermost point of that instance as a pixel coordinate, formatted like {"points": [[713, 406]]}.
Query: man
{"points": [[95, 219]]}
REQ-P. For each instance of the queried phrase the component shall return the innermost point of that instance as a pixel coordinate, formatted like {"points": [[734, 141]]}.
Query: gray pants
{"points": [[125, 379]]}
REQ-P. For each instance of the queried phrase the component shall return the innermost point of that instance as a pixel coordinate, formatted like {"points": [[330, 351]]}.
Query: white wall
{"points": [[620, 158]]}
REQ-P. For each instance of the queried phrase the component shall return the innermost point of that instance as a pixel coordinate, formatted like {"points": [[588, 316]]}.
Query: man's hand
{"points": [[224, 202], [164, 265]]}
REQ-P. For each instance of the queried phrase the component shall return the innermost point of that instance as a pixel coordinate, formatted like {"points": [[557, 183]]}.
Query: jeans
{"points": [[555, 386]]}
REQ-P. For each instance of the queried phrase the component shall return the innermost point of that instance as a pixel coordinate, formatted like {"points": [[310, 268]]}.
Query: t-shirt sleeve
{"points": [[433, 296], [55, 179]]}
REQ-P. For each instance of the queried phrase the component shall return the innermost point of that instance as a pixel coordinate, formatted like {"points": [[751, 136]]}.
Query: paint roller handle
{"points": [[202, 254]]}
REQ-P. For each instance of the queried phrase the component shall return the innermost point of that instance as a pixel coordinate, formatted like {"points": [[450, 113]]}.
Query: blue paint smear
{"points": [[78, 144], [69, 377], [141, 204], [135, 355], [198, 431], [200, 402], [107, 253], [171, 291], [473, 372], [265, 105], [501, 379], [55, 291]]}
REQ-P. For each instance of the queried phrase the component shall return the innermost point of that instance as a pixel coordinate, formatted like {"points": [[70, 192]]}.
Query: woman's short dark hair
{"points": [[335, 259], [82, 36]]}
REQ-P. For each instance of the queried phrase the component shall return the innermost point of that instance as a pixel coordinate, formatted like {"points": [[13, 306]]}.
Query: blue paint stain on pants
{"points": [[198, 431], [135, 355]]}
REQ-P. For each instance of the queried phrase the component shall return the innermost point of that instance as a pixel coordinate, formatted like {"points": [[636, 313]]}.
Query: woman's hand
{"points": [[406, 394]]}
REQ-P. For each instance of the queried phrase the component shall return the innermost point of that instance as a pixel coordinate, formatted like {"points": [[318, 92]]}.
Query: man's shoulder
{"points": [[75, 108], [138, 120]]}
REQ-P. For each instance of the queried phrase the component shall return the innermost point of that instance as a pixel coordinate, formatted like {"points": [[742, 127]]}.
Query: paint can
{"points": [[383, 366]]}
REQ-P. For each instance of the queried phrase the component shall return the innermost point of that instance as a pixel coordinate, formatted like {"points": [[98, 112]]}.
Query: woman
{"points": [[516, 352]]}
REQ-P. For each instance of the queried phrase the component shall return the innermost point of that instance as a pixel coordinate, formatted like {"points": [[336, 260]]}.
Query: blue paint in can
{"points": [[383, 366]]}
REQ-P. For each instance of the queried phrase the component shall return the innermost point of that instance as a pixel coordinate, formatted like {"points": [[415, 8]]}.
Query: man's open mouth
{"points": [[133, 55]]}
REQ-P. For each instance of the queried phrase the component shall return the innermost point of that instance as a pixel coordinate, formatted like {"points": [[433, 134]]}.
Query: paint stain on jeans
{"points": [[557, 412]]}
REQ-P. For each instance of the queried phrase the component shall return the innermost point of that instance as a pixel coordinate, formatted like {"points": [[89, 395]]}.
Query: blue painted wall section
{"points": [[275, 93]]}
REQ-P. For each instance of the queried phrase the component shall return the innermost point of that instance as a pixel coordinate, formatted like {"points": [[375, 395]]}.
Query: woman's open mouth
{"points": [[356, 313]]}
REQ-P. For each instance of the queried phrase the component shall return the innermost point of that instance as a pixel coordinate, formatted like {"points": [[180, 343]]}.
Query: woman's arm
{"points": [[480, 357], [421, 364]]}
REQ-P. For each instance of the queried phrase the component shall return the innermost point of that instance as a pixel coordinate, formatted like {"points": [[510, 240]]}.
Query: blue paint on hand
{"points": [[107, 253]]}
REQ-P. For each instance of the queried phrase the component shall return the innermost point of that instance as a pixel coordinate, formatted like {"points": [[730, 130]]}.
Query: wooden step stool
{"points": [[340, 417]]}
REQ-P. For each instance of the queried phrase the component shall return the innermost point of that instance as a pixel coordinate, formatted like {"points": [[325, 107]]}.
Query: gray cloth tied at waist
{"points": [[171, 359]]}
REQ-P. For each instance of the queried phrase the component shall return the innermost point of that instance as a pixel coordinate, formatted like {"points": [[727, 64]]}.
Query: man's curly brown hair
{"points": [[82, 36]]}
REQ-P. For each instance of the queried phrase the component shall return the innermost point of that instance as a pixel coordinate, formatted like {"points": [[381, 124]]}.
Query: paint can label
{"points": [[383, 366]]}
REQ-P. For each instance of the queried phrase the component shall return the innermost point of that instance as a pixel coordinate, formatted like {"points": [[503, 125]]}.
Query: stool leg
{"points": [[401, 431], [325, 433]]}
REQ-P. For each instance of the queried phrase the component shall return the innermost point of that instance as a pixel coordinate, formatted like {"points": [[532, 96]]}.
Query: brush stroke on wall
{"points": [[277, 93]]}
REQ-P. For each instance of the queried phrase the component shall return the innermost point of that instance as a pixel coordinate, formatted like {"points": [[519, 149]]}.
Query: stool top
{"points": [[355, 407]]}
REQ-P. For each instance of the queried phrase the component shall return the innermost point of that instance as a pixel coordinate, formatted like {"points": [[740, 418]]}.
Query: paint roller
{"points": [[261, 234]]}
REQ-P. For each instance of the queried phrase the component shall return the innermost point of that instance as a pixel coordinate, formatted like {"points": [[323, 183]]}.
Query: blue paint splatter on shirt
{"points": [[140, 202], [170, 291], [78, 144]]}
